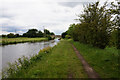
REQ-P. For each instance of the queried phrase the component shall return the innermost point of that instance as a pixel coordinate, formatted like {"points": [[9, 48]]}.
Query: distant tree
{"points": [[71, 29], [35, 33], [52, 33], [32, 33], [46, 32], [64, 34], [17, 35], [39, 34], [49, 37], [24, 35], [11, 35], [67, 37], [4, 35]]}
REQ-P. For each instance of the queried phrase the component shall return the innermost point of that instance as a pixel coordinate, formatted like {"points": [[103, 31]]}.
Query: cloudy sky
{"points": [[55, 15]]}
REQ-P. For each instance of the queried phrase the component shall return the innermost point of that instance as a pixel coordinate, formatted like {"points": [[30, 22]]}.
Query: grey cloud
{"points": [[25, 15], [5, 15], [12, 29], [72, 4]]}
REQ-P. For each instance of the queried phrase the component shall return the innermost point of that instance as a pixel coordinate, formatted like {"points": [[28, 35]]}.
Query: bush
{"points": [[49, 37], [64, 34], [67, 36]]}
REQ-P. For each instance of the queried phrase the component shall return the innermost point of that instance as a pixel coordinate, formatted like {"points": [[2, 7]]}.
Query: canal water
{"points": [[12, 52]]}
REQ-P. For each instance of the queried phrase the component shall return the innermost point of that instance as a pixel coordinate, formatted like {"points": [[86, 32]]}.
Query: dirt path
{"points": [[70, 75], [89, 70]]}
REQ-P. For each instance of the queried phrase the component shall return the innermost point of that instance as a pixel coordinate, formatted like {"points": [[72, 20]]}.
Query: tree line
{"points": [[31, 33], [97, 26]]}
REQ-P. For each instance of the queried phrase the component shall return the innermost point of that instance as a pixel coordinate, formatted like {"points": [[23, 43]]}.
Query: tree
{"points": [[46, 32], [17, 35], [4, 35], [113, 38], [64, 34], [11, 35], [39, 34], [94, 26], [67, 37], [71, 29], [32, 33], [115, 10], [52, 33], [24, 35]]}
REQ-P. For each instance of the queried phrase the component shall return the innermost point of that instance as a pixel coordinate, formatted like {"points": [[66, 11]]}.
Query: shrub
{"points": [[67, 36]]}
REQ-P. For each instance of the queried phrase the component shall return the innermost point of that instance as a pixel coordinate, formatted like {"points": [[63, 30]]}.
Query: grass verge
{"points": [[57, 62], [6, 41], [104, 61]]}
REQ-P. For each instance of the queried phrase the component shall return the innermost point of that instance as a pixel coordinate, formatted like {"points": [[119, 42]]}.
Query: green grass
{"points": [[104, 61], [6, 41], [57, 62]]}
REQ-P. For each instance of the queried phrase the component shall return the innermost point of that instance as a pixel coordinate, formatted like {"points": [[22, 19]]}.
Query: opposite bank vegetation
{"points": [[6, 41], [32, 35]]}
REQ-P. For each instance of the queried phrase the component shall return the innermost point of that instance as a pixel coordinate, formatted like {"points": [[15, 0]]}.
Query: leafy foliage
{"points": [[31, 33], [64, 34], [11, 35], [95, 26], [115, 9]]}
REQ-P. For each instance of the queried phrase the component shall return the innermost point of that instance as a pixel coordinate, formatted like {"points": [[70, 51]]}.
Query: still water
{"points": [[10, 53]]}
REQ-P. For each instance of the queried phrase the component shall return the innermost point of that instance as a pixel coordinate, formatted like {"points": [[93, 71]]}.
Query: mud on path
{"points": [[89, 70]]}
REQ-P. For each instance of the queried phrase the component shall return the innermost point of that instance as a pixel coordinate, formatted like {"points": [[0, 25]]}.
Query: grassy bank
{"points": [[104, 61], [57, 62], [6, 41]]}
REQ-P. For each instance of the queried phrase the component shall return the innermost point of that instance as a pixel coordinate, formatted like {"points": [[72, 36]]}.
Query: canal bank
{"points": [[57, 62], [11, 53], [7, 41]]}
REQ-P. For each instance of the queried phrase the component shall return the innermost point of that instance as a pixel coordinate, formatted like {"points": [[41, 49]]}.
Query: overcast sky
{"points": [[55, 15]]}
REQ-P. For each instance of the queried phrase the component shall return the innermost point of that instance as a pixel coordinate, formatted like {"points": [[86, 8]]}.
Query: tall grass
{"points": [[104, 61], [6, 41]]}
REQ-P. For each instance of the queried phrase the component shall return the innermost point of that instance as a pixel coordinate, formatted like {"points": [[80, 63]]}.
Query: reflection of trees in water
{"points": [[50, 43]]}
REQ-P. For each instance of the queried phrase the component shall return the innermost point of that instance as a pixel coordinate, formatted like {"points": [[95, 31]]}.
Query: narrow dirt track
{"points": [[70, 75], [89, 70]]}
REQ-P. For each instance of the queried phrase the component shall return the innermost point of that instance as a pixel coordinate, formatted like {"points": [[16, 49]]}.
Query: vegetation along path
{"points": [[89, 70], [61, 61], [57, 62]]}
